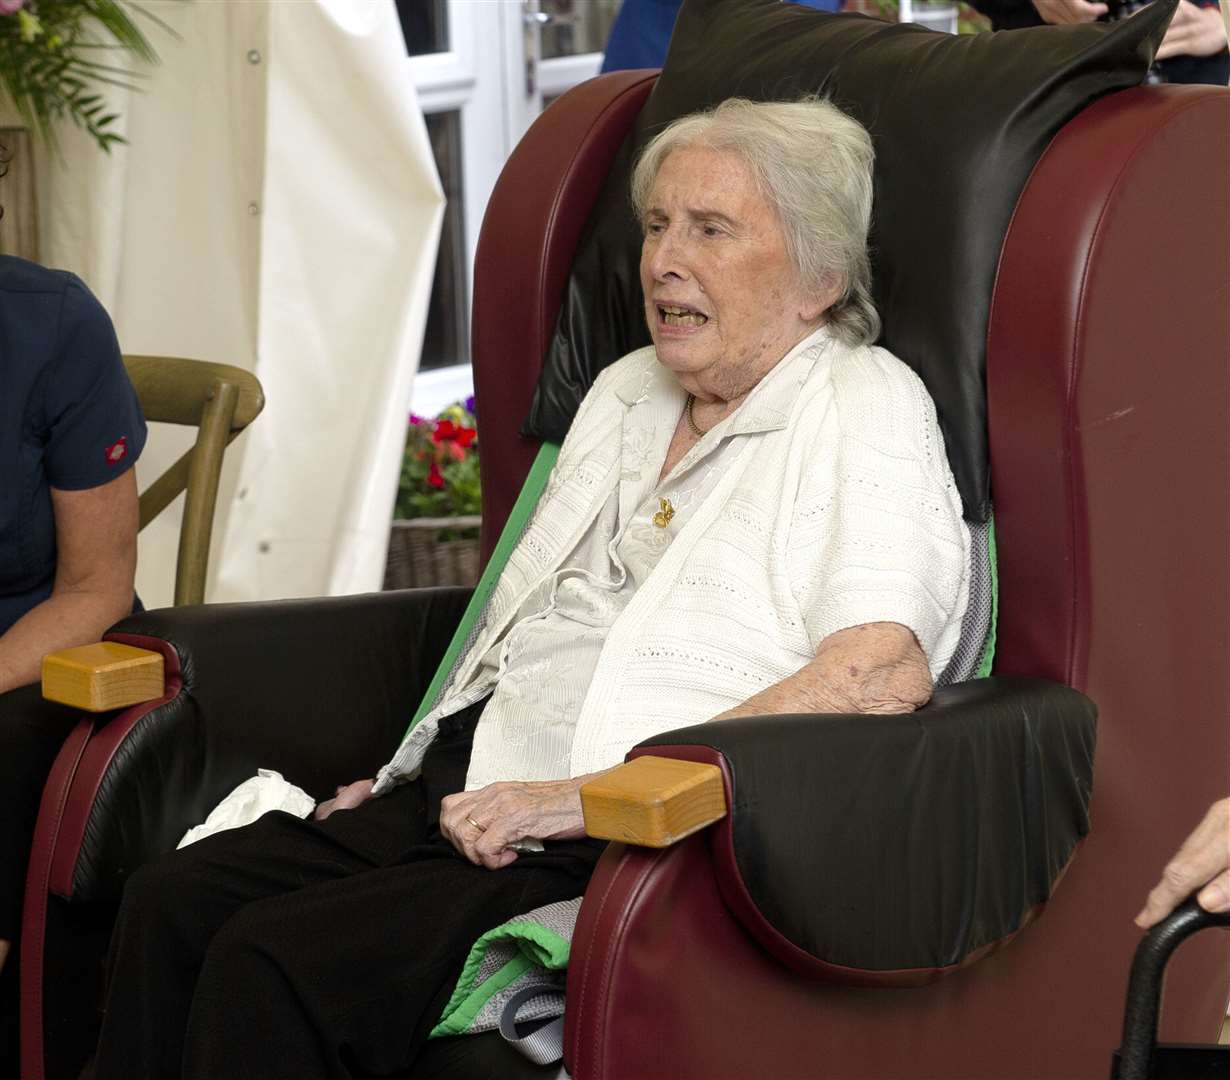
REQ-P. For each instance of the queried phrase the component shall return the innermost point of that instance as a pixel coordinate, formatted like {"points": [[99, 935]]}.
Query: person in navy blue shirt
{"points": [[642, 30], [70, 431]]}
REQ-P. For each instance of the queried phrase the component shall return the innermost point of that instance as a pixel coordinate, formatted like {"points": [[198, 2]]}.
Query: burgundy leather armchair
{"points": [[1108, 395], [1109, 463]]}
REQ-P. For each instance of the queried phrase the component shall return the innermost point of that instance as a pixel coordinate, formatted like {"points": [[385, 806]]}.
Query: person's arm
{"points": [[873, 668], [1066, 12], [1024, 14], [1194, 31], [96, 559], [1203, 860]]}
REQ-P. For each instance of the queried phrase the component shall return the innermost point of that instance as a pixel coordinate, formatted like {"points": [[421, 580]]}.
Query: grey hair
{"points": [[812, 164]]}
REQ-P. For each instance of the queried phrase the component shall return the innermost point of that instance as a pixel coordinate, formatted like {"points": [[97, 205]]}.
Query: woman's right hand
{"points": [[347, 797]]}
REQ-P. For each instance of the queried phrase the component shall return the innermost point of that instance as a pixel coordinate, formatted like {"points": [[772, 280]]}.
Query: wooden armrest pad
{"points": [[653, 801], [103, 676]]}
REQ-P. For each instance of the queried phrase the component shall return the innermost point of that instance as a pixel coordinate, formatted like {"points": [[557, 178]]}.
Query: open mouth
{"points": [[680, 315]]}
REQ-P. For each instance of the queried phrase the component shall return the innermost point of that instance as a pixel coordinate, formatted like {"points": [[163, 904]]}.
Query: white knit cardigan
{"points": [[838, 510]]}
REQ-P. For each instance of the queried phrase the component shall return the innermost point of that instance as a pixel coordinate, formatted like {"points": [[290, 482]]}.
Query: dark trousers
{"points": [[298, 949], [31, 734]]}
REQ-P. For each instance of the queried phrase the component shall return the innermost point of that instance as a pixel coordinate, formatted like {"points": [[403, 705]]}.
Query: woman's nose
{"points": [[667, 256]]}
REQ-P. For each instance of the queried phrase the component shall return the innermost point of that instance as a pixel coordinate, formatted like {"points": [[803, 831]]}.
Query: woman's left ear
{"points": [[817, 303]]}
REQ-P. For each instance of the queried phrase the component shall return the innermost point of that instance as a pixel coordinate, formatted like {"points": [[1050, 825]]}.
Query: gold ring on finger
{"points": [[480, 828]]}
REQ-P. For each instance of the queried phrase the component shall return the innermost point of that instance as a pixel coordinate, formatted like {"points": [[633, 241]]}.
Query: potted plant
{"points": [[54, 55], [434, 538]]}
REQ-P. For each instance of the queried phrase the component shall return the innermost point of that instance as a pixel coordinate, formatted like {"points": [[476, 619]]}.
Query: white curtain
{"points": [[277, 208]]}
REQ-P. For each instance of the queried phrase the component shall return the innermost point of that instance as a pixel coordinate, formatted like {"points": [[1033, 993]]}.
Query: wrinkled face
{"points": [[721, 294]]}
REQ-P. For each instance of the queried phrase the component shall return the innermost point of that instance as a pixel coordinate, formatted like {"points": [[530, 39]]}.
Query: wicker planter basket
{"points": [[418, 556]]}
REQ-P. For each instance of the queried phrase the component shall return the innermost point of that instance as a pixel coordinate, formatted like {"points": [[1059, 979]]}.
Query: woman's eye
{"points": [[710, 230], [654, 228]]}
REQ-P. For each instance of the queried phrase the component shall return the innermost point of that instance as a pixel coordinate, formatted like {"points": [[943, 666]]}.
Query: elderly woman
{"points": [[754, 515]]}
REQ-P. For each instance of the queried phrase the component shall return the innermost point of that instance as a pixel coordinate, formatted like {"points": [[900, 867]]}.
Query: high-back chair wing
{"points": [[1109, 398], [220, 401], [530, 233]]}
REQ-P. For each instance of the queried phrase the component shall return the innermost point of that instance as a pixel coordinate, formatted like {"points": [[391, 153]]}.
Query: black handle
{"points": [[1144, 995]]}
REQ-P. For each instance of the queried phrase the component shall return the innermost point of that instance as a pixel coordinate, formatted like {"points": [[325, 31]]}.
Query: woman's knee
{"points": [[241, 959], [172, 883]]}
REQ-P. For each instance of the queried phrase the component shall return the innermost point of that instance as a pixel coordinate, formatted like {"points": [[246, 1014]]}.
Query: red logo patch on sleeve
{"points": [[117, 451]]}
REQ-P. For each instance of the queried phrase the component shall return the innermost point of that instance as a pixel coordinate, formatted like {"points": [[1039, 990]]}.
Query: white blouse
{"points": [[542, 668], [831, 505]]}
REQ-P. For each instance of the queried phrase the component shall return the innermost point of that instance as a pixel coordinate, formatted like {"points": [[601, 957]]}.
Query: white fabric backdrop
{"points": [[277, 208]]}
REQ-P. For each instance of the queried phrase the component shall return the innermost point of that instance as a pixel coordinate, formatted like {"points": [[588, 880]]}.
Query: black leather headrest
{"points": [[958, 122]]}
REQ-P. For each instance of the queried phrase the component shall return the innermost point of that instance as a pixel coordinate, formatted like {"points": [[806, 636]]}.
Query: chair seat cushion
{"points": [[945, 190]]}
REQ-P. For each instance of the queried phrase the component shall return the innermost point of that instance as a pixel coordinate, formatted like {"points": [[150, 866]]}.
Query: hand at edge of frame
{"points": [[1202, 862], [1194, 31]]}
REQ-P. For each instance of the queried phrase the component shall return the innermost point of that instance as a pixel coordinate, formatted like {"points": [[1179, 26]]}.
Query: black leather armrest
{"points": [[320, 690], [318, 655], [889, 850]]}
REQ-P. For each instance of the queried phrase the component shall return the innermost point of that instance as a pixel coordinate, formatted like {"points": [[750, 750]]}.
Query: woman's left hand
{"points": [[481, 824]]}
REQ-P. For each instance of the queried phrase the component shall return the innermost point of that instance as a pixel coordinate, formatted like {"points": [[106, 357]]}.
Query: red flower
{"points": [[434, 478], [447, 431]]}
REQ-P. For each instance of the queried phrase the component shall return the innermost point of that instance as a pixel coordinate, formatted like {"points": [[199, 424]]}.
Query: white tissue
{"points": [[265, 791]]}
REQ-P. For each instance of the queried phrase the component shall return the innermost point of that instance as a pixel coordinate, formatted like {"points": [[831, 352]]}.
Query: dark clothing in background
{"points": [[1018, 14], [312, 949]]}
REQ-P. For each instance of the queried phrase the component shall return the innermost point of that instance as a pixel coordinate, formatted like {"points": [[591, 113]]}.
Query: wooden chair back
{"points": [[219, 401]]}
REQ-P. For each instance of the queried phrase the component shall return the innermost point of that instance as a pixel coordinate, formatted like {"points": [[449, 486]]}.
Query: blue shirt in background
{"points": [[69, 418], [642, 31]]}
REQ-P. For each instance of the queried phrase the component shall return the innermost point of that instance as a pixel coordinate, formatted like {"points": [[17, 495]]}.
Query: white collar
{"points": [[766, 408]]}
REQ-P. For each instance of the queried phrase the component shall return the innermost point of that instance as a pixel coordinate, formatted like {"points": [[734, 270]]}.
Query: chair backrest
{"points": [[220, 401], [1109, 405], [1109, 398]]}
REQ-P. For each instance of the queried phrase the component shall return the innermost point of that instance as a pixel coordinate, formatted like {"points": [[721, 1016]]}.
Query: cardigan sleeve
{"points": [[877, 533]]}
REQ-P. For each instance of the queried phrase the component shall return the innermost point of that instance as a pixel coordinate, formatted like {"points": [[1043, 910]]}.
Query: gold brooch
{"points": [[663, 517]]}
